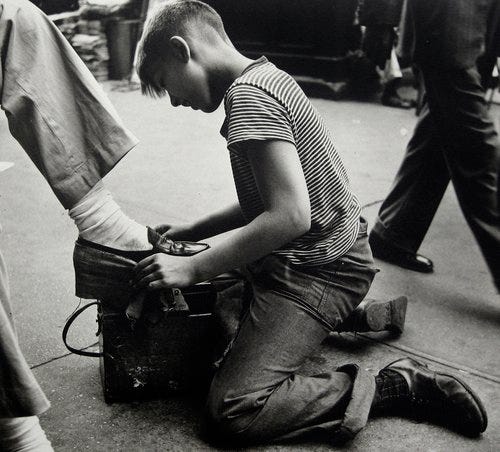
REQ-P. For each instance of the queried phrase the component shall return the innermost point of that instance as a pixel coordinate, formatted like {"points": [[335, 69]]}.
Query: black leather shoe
{"points": [[440, 398], [388, 251], [103, 272]]}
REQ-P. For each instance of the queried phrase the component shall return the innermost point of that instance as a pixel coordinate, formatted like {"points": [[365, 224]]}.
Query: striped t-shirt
{"points": [[265, 103]]}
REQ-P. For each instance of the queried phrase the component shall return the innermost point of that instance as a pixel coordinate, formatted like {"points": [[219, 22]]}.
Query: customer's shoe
{"points": [[377, 315], [102, 272], [163, 244], [387, 251], [440, 398]]}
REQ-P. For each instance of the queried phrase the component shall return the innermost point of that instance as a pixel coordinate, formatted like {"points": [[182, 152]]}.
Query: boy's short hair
{"points": [[170, 18]]}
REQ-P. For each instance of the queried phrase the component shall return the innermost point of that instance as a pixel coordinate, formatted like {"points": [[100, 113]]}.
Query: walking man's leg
{"points": [[471, 148], [409, 208]]}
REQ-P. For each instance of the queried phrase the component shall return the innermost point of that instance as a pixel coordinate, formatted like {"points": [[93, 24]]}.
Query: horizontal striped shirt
{"points": [[265, 103]]}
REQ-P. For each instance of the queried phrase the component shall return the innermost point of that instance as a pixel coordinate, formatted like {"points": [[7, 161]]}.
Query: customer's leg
{"points": [[23, 434], [65, 123], [21, 398], [472, 153], [55, 108], [259, 394], [20, 394]]}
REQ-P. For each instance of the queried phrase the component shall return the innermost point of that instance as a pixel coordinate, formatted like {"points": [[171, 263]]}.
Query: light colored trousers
{"points": [[63, 120]]}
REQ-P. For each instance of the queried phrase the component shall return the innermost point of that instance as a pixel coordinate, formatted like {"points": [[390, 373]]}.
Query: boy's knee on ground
{"points": [[229, 416]]}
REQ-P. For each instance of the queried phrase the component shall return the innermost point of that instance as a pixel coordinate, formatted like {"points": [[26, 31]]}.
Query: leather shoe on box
{"points": [[103, 272], [441, 398], [387, 251]]}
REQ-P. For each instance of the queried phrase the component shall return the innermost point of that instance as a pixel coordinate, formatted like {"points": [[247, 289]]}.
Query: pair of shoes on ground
{"points": [[440, 398], [388, 251]]}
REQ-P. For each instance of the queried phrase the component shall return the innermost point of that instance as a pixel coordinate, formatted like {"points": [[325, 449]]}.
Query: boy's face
{"points": [[187, 84]]}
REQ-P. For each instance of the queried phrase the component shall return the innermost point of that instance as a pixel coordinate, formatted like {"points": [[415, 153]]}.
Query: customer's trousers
{"points": [[455, 138], [64, 122], [56, 110], [20, 394], [261, 391]]}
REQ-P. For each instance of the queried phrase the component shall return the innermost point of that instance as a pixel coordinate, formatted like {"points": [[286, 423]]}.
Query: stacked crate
{"points": [[88, 38]]}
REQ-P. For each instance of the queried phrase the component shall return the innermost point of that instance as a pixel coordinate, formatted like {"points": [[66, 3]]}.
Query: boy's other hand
{"points": [[176, 232], [162, 271]]}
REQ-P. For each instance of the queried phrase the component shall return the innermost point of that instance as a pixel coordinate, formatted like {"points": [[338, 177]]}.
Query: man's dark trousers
{"points": [[455, 139]]}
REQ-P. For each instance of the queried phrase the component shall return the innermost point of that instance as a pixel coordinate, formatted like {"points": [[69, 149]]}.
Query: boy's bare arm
{"points": [[286, 216], [214, 224]]}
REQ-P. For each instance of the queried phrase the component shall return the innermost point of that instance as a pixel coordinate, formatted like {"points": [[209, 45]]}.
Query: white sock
{"points": [[100, 219], [23, 434]]}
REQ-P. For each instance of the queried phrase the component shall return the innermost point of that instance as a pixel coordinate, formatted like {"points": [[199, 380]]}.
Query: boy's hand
{"points": [[162, 271], [176, 232]]}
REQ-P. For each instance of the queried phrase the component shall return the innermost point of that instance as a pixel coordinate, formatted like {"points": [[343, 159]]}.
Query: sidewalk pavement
{"points": [[179, 171]]}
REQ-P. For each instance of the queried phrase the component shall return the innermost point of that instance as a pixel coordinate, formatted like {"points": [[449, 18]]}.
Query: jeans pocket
{"points": [[346, 288], [314, 290]]}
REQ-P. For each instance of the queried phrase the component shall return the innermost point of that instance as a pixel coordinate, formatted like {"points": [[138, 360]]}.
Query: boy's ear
{"points": [[180, 48]]}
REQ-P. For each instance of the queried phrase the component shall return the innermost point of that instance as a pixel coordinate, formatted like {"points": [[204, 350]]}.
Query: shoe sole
{"points": [[387, 315]]}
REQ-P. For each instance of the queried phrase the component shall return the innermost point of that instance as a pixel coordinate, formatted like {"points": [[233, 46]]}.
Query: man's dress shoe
{"points": [[104, 272], [387, 251], [440, 398]]}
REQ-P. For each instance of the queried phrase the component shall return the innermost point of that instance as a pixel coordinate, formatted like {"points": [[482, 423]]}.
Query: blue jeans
{"points": [[259, 393]]}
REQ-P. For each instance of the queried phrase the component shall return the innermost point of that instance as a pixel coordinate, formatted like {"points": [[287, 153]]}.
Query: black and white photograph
{"points": [[249, 225]]}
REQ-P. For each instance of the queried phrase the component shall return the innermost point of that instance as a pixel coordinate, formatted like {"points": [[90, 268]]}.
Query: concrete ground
{"points": [[179, 171]]}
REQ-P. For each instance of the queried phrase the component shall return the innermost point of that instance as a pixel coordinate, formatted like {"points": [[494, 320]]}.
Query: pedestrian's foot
{"points": [[439, 398], [387, 251]]}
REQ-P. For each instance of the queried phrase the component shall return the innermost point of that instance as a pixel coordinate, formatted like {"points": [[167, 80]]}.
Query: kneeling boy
{"points": [[300, 237]]}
